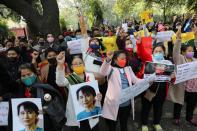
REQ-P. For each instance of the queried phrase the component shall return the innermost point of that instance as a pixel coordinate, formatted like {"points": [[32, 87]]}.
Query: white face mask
{"points": [[50, 39]]}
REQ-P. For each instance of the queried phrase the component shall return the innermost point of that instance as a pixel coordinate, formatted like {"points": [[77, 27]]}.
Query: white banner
{"points": [[125, 27], [4, 108], [186, 72], [75, 46], [164, 36], [131, 92]]}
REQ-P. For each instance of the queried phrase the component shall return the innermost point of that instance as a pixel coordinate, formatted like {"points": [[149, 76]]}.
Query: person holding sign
{"points": [[120, 76], [28, 113], [184, 54], [53, 105], [78, 76], [155, 96]]}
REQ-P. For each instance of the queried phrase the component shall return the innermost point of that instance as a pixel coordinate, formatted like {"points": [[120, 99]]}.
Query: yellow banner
{"points": [[184, 36], [109, 43], [146, 16]]}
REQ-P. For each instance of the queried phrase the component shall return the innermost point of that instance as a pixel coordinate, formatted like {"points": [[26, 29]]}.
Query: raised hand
{"points": [[61, 58], [35, 55], [178, 33], [138, 38], [110, 55]]}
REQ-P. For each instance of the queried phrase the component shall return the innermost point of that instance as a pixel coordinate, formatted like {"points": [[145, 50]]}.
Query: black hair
{"points": [[28, 66], [77, 31], [49, 50], [116, 55], [185, 46], [23, 40], [88, 90], [29, 106], [14, 49], [160, 44]]}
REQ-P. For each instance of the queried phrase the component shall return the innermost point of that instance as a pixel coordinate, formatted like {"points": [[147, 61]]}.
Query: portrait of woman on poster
{"points": [[86, 97], [28, 114]]}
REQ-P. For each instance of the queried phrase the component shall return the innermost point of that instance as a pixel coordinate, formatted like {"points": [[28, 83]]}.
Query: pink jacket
{"points": [[111, 103]]}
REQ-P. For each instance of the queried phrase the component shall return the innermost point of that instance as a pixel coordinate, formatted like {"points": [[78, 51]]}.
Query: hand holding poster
{"points": [[4, 108], [135, 90], [75, 46], [163, 71], [26, 113], [186, 72], [85, 100], [89, 60]]}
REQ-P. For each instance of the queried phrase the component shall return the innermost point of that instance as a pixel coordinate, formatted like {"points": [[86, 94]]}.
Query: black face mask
{"points": [[41, 43], [23, 48], [52, 61], [61, 40], [12, 59]]}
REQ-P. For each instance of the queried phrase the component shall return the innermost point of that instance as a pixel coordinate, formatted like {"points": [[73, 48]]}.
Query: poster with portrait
{"points": [[27, 114], [85, 100], [163, 71]]}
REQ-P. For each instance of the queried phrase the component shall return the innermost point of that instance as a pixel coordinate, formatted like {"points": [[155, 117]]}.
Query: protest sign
{"points": [[135, 90], [163, 71], [185, 37], [4, 108], [27, 113], [75, 46], [125, 26], [146, 16], [89, 61], [164, 36], [109, 43], [186, 72], [85, 103]]}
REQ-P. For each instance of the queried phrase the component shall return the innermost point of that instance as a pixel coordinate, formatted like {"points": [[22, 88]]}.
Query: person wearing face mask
{"points": [[156, 94], [120, 76], [78, 34], [13, 62], [48, 69], [51, 42], [25, 50], [29, 86], [78, 76], [133, 59], [186, 90]]}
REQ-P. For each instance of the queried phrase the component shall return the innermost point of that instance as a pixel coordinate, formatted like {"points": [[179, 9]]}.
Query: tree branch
{"points": [[24, 9]]}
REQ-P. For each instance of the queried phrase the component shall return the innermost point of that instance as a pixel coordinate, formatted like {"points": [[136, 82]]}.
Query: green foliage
{"points": [[4, 30], [63, 24], [192, 5]]}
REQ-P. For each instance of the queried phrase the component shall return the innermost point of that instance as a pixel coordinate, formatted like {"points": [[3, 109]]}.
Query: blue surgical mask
{"points": [[158, 56], [28, 81], [78, 36], [94, 46]]}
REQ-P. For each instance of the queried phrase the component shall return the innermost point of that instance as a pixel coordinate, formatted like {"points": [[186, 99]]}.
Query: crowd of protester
{"points": [[45, 64]]}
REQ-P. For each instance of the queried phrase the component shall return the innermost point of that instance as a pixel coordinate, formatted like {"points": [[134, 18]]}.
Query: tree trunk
{"points": [[164, 14], [38, 24]]}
